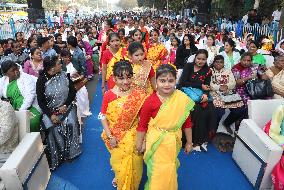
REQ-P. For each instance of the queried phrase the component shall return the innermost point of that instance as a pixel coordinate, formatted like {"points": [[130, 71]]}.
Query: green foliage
{"points": [[127, 4], [15, 1]]}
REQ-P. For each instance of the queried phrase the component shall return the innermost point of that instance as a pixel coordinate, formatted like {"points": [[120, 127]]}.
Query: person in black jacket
{"points": [[186, 49]]}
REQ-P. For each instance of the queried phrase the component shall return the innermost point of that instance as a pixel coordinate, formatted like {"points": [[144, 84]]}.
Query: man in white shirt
{"points": [[277, 14], [180, 34], [130, 26]]}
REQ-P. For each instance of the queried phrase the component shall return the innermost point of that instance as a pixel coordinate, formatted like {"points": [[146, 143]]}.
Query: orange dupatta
{"points": [[122, 114]]}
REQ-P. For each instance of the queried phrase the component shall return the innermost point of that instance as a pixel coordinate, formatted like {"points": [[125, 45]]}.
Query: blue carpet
{"points": [[198, 171]]}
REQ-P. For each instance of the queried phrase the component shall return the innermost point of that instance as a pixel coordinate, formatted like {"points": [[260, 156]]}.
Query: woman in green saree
{"points": [[20, 89]]}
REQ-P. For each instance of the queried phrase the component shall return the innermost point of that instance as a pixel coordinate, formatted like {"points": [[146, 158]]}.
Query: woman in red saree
{"points": [[119, 117], [109, 57], [144, 74], [136, 36], [157, 52]]}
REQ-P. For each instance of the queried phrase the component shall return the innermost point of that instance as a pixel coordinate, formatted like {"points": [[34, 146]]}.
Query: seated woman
{"points": [[33, 66], [56, 95], [20, 89], [82, 95], [9, 135], [280, 48], [274, 70], [231, 57], [278, 79], [243, 72], [197, 75], [223, 83]]}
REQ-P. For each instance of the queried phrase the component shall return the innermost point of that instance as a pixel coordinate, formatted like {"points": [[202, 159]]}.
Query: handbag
{"points": [[231, 97], [259, 88], [194, 93], [79, 83]]}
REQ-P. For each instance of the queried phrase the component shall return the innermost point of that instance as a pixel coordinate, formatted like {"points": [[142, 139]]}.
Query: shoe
{"points": [[203, 147], [114, 184], [86, 114], [197, 148], [229, 130]]}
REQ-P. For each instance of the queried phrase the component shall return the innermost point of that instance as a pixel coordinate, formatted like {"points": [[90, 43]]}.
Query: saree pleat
{"points": [[122, 119], [62, 139], [163, 142]]}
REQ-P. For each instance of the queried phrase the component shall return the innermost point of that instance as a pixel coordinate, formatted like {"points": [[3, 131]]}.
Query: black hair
{"points": [[72, 41], [33, 50], [122, 67], [65, 53], [213, 37], [16, 34], [254, 42], [57, 35], [246, 54], [49, 62], [121, 30], [166, 69], [202, 51], [13, 44], [30, 39], [191, 40], [134, 46], [178, 40], [51, 36], [218, 57], [134, 31], [6, 65], [155, 30], [42, 40], [109, 23], [111, 35], [231, 42]]}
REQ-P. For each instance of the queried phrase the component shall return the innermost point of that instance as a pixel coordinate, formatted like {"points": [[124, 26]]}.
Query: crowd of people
{"points": [[166, 84]]}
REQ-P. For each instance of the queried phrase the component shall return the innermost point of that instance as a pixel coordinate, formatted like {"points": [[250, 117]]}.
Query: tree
{"points": [[127, 4]]}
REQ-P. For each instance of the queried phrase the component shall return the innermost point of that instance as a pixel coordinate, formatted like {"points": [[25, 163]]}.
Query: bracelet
{"points": [[110, 137]]}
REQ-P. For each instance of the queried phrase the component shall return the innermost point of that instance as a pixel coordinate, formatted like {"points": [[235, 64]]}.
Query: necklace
{"points": [[120, 93], [162, 99]]}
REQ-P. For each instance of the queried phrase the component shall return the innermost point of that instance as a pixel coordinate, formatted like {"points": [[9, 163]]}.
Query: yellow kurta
{"points": [[156, 54], [141, 73], [122, 120], [163, 142]]}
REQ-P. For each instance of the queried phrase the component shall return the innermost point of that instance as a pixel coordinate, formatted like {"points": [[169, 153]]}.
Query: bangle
{"points": [[110, 136]]}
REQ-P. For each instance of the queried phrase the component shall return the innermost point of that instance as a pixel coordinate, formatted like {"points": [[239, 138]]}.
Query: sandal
{"points": [[114, 184]]}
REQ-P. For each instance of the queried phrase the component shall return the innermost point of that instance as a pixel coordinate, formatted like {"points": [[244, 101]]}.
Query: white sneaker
{"points": [[204, 146], [197, 148], [86, 114]]}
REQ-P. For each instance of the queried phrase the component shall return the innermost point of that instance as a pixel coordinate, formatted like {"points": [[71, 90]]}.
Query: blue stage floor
{"points": [[91, 171]]}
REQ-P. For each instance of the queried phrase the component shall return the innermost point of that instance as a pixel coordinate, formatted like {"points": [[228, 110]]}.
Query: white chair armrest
{"points": [[20, 163], [24, 123], [260, 111]]}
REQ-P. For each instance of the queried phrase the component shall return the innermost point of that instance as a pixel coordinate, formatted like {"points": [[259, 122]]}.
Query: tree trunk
{"points": [[256, 4]]}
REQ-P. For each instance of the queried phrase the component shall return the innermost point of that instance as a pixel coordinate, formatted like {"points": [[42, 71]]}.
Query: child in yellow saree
{"points": [[119, 112], [162, 116]]}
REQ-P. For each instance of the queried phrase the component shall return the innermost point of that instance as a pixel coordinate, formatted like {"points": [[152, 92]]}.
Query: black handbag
{"points": [[259, 88]]}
